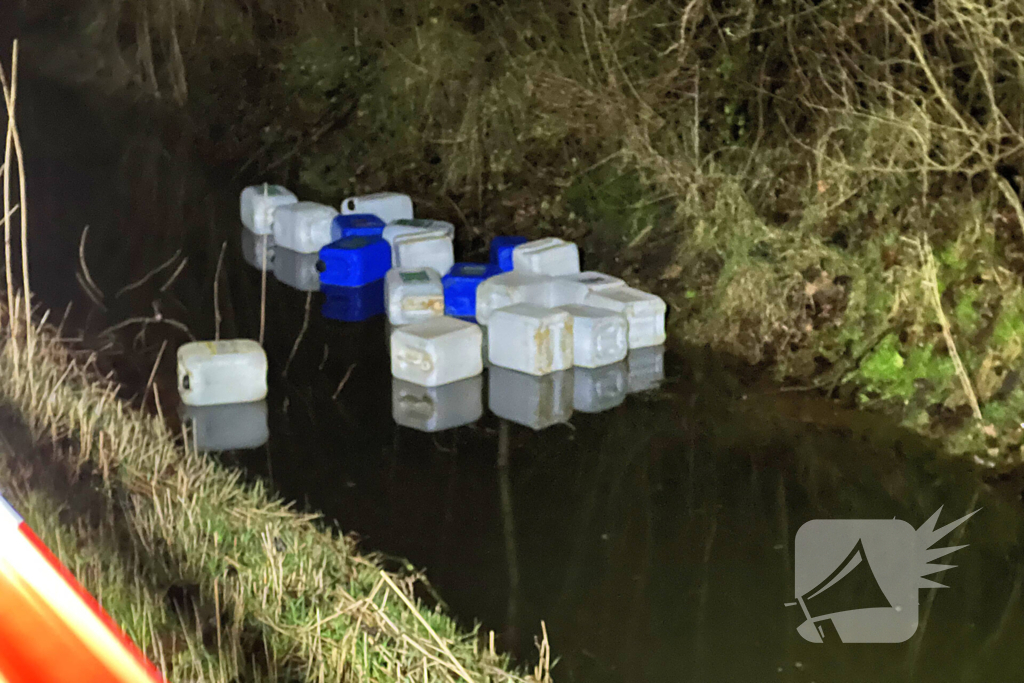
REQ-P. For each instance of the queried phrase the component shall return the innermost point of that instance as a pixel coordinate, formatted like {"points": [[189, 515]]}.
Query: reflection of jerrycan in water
{"points": [[535, 402], [435, 409], [254, 245], [646, 368], [231, 427], [296, 270], [598, 389]]}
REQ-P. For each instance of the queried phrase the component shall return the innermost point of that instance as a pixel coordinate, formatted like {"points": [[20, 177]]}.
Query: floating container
{"points": [[436, 352], [460, 285], [431, 249], [501, 251], [354, 261], [388, 206], [644, 312], [298, 271], [304, 227], [530, 339], [595, 281], [596, 390], [504, 290], [547, 256], [435, 409], [254, 245], [222, 372], [353, 304], [535, 402], [412, 295], [260, 202], [555, 292], [600, 336], [230, 427], [646, 368], [356, 225], [413, 224]]}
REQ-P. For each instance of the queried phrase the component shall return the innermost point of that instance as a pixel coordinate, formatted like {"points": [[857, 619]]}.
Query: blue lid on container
{"points": [[353, 304], [501, 250], [356, 225], [354, 261], [460, 287]]}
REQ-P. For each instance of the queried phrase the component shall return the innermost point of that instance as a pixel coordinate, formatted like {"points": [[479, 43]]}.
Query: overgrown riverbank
{"points": [[214, 578], [785, 174]]}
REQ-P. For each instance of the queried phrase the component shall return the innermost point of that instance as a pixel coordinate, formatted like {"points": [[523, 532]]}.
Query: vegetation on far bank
{"points": [[784, 173]]}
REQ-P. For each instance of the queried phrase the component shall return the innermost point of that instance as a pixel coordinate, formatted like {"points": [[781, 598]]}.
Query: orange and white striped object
{"points": [[51, 629]]}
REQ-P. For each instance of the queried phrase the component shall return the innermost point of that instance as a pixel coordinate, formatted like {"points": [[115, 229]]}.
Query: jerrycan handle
{"points": [[417, 359]]}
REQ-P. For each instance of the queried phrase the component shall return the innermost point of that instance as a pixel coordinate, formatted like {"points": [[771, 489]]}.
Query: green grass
{"points": [[274, 596]]}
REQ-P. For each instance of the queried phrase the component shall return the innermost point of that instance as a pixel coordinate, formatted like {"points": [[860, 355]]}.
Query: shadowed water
{"points": [[655, 539]]}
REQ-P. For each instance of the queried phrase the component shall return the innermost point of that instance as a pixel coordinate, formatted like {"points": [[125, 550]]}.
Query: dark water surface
{"points": [[655, 540]]}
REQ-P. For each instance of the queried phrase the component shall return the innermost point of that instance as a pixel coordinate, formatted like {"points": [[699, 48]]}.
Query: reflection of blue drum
{"points": [[598, 389], [460, 287], [356, 225], [435, 409], [228, 427], [353, 304], [354, 261], [501, 251], [535, 402]]}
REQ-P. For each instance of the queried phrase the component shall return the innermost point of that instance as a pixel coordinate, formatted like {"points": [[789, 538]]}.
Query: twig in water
{"points": [[152, 373], [343, 382], [216, 291], [302, 333], [85, 277], [148, 276], [175, 275], [263, 280], [146, 321]]}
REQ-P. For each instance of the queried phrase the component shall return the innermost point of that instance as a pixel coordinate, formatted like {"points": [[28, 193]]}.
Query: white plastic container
{"points": [[260, 202], [600, 336], [431, 249], [547, 256], [406, 225], [387, 206], [436, 352], [530, 339], [230, 427], [504, 290], [304, 227], [253, 247], [644, 312], [555, 292], [596, 390], [595, 281], [221, 372], [535, 402], [435, 409], [297, 270], [412, 295], [646, 368]]}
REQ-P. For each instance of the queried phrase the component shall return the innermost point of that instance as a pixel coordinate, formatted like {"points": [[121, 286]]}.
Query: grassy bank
{"points": [[215, 579], [827, 189]]}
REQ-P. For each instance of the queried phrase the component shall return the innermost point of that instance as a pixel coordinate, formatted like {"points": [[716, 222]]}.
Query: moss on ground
{"points": [[774, 191]]}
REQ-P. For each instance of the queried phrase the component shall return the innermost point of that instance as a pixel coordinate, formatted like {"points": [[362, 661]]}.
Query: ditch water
{"points": [[655, 540]]}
